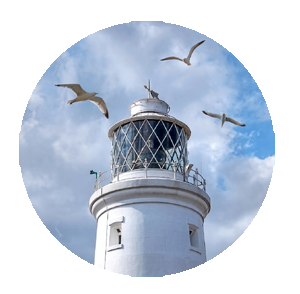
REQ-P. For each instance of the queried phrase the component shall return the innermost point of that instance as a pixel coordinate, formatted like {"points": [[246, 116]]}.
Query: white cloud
{"points": [[67, 69], [56, 204], [28, 125], [150, 30], [247, 181], [30, 121], [81, 143], [220, 235], [121, 67], [37, 180], [36, 98]]}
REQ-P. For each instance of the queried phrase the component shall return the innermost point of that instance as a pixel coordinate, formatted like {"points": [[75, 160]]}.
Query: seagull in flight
{"points": [[187, 59], [81, 95], [223, 118]]}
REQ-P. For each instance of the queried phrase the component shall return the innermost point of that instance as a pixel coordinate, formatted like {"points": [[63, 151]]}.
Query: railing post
{"points": [[117, 167], [197, 173], [145, 164], [99, 180], [174, 165]]}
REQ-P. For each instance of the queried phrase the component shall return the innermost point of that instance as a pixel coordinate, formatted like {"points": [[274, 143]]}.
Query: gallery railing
{"points": [[191, 176]]}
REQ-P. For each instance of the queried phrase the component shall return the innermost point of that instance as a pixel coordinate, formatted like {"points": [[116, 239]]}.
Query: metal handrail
{"points": [[194, 177]]}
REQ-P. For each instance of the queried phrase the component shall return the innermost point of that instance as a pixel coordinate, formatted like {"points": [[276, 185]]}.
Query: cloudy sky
{"points": [[60, 144]]}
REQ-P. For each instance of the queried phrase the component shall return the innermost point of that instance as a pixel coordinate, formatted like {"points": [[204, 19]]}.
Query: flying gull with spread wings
{"points": [[223, 118], [81, 95], [187, 59]]}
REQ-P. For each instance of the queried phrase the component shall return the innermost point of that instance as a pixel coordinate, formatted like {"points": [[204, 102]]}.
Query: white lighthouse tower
{"points": [[150, 217]]}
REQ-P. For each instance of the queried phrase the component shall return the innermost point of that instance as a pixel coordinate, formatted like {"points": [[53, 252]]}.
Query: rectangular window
{"points": [[194, 236], [115, 236], [115, 233]]}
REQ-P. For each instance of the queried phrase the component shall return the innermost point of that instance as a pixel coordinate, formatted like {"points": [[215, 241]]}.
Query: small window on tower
{"points": [[194, 236], [115, 234]]}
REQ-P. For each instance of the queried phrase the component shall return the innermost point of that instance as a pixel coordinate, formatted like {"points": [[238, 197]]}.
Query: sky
{"points": [[59, 144]]}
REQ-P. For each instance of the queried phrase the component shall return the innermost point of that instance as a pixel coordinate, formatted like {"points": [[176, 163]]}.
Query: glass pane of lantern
{"points": [[116, 150], [161, 157], [165, 138], [131, 158], [125, 127], [173, 135], [145, 130], [121, 136]]}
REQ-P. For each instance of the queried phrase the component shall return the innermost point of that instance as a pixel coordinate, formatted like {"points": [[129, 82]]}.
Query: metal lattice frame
{"points": [[161, 143]]}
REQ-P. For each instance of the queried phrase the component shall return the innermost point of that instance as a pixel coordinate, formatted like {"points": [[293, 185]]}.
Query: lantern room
{"points": [[150, 137]]}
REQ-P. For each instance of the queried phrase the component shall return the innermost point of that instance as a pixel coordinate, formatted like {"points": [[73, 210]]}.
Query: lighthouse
{"points": [[150, 212]]}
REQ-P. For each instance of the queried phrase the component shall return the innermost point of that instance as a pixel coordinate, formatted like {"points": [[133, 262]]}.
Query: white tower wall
{"points": [[156, 217]]}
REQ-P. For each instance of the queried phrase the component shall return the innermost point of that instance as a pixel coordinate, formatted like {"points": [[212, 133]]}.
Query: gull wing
{"points": [[75, 88], [171, 57], [193, 48], [100, 103], [212, 114], [234, 122]]}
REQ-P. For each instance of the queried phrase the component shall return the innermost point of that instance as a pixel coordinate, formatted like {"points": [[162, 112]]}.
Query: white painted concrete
{"points": [[149, 105], [150, 173], [156, 217]]}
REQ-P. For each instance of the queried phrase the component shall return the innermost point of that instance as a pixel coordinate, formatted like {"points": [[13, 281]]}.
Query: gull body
{"points": [[223, 117], [187, 59], [82, 95]]}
